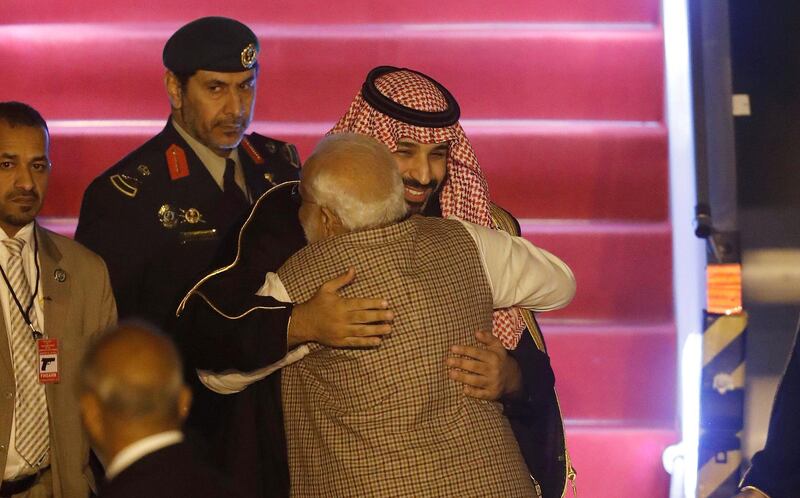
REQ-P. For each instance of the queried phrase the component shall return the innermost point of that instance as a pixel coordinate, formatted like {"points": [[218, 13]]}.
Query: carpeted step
{"points": [[535, 169], [620, 462], [311, 11], [515, 70], [615, 372]]}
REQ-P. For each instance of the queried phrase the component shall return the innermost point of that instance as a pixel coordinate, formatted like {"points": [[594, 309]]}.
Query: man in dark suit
{"points": [[775, 471], [133, 401], [55, 296]]}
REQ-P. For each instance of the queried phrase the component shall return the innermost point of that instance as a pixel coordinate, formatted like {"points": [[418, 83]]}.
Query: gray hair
{"points": [[120, 396], [354, 211]]}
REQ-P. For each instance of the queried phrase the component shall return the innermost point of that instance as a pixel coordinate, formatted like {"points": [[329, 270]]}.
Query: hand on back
{"points": [[331, 320]]}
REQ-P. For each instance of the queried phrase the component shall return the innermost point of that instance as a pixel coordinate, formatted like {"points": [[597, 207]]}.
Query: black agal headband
{"points": [[387, 106]]}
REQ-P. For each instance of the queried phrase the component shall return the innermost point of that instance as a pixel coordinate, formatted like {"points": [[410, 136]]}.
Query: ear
{"points": [[331, 222], [174, 90], [92, 416], [184, 402]]}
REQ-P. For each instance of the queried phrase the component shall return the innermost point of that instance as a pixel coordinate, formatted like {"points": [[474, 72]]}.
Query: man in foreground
{"points": [[133, 401], [55, 296], [387, 421]]}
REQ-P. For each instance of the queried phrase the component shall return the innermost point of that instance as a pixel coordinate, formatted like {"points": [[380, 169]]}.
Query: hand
{"points": [[332, 320], [487, 373]]}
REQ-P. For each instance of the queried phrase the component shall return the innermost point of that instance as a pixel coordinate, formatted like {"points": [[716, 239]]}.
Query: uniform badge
{"points": [[143, 169], [251, 151], [125, 184], [291, 155], [249, 54], [192, 216], [177, 163], [59, 275], [270, 178], [167, 216]]}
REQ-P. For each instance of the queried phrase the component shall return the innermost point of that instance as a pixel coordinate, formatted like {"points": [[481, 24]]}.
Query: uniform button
{"points": [[9, 395], [2, 447]]}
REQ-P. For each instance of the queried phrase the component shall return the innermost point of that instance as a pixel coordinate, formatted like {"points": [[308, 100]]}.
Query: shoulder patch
{"points": [[291, 155], [176, 162], [125, 184], [251, 151]]}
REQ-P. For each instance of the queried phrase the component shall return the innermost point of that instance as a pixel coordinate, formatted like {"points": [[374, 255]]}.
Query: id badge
{"points": [[48, 361]]}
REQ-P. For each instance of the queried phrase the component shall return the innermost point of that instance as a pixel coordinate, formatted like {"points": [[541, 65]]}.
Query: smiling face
{"points": [[423, 168], [24, 173], [215, 108]]}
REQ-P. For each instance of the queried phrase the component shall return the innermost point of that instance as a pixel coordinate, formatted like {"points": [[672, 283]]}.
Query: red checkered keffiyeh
{"points": [[465, 193]]}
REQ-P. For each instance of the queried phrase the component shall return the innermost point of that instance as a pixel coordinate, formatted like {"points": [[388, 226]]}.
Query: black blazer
{"points": [[175, 471], [776, 468]]}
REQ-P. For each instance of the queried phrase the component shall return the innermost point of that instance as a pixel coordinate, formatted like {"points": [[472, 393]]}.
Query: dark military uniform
{"points": [[158, 231]]}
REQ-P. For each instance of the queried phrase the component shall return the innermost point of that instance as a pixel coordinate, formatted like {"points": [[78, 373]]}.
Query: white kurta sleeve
{"points": [[521, 274]]}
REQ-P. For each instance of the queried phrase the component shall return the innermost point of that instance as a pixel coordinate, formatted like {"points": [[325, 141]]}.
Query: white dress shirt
{"points": [[16, 467], [140, 449], [519, 274]]}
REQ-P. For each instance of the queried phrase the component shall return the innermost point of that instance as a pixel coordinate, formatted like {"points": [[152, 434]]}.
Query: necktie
{"points": [[32, 432], [233, 194]]}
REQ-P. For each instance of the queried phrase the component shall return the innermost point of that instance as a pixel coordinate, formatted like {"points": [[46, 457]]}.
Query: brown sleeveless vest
{"points": [[388, 421]]}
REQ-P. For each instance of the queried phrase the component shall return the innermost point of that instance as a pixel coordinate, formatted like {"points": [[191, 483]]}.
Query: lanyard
{"points": [[26, 312]]}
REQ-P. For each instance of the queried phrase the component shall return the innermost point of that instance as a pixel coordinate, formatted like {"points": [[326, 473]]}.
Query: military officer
{"points": [[157, 216]]}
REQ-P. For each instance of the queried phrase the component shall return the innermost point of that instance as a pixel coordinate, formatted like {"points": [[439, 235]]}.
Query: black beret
{"points": [[212, 44]]}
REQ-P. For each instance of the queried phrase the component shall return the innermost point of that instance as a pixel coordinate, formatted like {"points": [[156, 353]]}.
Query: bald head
{"points": [[136, 374], [356, 178]]}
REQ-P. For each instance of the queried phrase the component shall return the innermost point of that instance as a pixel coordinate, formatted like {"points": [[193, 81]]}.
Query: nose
{"points": [[420, 170], [234, 103], [24, 179]]}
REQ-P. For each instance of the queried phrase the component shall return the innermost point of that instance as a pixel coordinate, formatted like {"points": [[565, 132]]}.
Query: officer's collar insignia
{"points": [[290, 151], [167, 216], [249, 55], [176, 162], [143, 170], [251, 151], [124, 184], [192, 216]]}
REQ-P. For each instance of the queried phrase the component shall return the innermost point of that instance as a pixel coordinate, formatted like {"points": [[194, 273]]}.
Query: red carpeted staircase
{"points": [[564, 102]]}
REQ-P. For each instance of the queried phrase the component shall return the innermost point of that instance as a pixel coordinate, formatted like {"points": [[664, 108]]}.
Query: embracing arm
{"points": [[326, 319], [521, 274]]}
